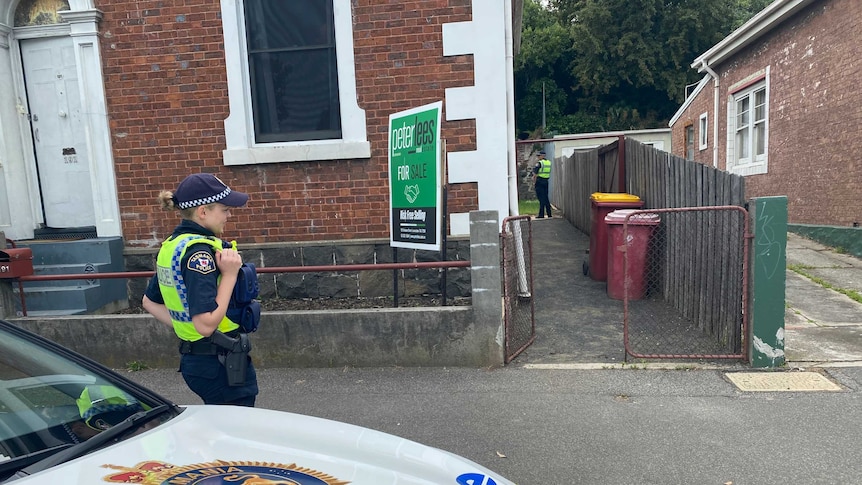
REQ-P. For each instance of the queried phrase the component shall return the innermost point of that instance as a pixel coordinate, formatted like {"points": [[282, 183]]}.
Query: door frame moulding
{"points": [[81, 24]]}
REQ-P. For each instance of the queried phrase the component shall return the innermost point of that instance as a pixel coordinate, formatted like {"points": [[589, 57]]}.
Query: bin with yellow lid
{"points": [[603, 203], [613, 198]]}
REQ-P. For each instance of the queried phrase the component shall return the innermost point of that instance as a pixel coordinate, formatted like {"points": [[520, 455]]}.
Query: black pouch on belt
{"points": [[235, 360]]}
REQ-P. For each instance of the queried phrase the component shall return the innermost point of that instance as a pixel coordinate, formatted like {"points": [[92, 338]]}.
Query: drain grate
{"points": [[781, 381]]}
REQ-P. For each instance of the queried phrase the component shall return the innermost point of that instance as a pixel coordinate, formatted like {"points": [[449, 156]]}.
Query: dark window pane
{"points": [[295, 94], [292, 65], [278, 24], [742, 112], [689, 142], [743, 149]]}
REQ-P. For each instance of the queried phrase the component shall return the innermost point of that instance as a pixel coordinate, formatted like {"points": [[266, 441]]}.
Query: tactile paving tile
{"points": [[781, 381]]}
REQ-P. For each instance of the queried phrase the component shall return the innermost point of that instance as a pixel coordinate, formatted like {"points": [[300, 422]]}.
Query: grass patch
{"points": [[136, 365], [802, 269], [799, 268], [528, 207]]}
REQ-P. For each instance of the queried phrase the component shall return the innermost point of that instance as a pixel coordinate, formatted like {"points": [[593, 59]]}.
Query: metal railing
{"points": [[274, 269]]}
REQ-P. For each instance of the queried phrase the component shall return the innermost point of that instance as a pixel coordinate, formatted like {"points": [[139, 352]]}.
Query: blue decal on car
{"points": [[475, 479]]}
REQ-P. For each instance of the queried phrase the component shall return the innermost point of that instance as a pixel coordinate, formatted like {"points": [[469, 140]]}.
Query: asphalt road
{"points": [[593, 424], [621, 426]]}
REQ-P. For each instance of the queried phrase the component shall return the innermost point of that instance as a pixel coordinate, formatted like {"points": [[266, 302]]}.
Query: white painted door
{"points": [[59, 135]]}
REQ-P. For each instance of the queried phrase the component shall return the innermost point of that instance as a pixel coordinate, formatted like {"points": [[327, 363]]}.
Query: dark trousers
{"points": [[207, 378], [542, 195]]}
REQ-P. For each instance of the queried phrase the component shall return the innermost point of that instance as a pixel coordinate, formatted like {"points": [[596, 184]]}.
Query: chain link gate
{"points": [[683, 281], [519, 322]]}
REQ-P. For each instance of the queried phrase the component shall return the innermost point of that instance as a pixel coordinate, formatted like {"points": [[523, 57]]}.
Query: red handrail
{"points": [[274, 269]]}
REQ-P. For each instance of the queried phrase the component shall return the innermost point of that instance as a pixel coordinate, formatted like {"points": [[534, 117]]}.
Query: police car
{"points": [[65, 419]]}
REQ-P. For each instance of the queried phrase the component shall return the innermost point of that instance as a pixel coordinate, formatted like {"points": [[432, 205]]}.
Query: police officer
{"points": [[542, 174], [193, 287]]}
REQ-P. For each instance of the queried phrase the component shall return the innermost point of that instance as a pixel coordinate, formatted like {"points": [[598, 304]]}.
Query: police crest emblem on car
{"points": [[220, 472]]}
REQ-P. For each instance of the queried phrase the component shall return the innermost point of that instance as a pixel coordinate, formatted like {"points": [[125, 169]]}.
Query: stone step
{"points": [[69, 297], [66, 269], [97, 250]]}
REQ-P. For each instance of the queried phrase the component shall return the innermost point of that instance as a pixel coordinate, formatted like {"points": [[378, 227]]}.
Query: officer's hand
{"points": [[228, 261]]}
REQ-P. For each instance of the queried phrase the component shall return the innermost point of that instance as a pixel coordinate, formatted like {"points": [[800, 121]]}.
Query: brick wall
{"points": [[691, 117], [815, 111], [166, 90]]}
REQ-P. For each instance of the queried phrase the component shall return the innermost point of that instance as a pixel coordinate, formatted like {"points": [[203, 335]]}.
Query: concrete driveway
{"points": [[579, 326]]}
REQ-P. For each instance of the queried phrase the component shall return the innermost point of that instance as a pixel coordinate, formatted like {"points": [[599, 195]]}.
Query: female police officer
{"points": [[193, 285]]}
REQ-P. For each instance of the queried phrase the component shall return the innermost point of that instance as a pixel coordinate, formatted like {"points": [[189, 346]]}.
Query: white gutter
{"points": [[712, 73], [510, 112], [688, 100]]}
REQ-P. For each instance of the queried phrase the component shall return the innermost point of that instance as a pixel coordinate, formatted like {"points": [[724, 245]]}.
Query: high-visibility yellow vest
{"points": [[545, 171], [174, 291]]}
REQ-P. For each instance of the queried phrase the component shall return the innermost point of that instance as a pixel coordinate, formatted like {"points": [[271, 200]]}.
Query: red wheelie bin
{"points": [[633, 244], [602, 204]]}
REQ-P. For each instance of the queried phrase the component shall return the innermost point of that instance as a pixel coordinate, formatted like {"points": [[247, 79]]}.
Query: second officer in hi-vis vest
{"points": [[542, 173], [194, 291]]}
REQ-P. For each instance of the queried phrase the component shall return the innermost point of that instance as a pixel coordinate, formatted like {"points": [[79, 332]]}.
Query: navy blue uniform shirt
{"points": [[201, 281]]}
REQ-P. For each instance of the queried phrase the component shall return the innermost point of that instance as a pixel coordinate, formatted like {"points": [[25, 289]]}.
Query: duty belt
{"points": [[204, 346]]}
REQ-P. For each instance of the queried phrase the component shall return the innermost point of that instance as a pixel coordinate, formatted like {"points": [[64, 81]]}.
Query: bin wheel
{"points": [[586, 268]]}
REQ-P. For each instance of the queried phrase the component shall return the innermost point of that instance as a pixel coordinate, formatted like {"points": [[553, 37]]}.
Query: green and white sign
{"points": [[415, 177]]}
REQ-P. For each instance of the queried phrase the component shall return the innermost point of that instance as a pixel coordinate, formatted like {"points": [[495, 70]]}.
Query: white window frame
{"points": [[239, 125], [703, 130], [753, 164]]}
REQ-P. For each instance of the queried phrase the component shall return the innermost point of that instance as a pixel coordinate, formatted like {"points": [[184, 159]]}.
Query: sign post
{"points": [[415, 178]]}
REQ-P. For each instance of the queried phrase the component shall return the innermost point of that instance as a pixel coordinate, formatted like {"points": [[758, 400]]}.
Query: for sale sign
{"points": [[415, 177]]}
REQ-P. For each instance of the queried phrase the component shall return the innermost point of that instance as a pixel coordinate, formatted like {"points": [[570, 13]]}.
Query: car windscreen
{"points": [[50, 401]]}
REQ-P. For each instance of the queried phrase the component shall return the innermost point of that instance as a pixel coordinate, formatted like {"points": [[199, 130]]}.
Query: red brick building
{"points": [[106, 102], [780, 104]]}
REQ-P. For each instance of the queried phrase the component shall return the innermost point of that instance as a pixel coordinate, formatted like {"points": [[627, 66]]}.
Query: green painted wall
{"points": [[768, 263], [846, 239]]}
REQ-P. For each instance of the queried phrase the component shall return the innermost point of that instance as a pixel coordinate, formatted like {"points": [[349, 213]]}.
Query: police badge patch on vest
{"points": [[202, 262]]}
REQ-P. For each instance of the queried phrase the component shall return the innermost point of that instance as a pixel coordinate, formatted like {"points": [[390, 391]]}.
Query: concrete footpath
{"points": [[539, 422], [823, 326]]}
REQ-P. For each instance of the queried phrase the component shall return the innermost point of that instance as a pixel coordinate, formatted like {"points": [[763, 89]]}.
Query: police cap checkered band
{"points": [[205, 188]]}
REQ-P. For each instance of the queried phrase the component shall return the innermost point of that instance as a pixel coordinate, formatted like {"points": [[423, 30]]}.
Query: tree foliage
{"points": [[600, 65]]}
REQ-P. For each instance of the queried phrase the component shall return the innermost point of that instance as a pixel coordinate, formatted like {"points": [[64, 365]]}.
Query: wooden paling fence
{"points": [[660, 179], [700, 268]]}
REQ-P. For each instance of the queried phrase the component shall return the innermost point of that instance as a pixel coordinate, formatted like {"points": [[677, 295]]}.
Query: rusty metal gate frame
{"points": [[746, 238], [517, 260]]}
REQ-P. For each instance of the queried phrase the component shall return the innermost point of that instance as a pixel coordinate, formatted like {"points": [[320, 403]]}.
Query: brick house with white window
{"points": [[103, 103], [780, 104]]}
